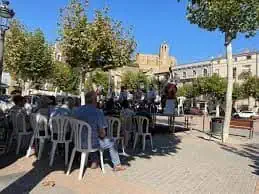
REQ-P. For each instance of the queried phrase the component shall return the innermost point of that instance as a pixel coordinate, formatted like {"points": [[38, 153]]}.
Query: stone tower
{"points": [[164, 55]]}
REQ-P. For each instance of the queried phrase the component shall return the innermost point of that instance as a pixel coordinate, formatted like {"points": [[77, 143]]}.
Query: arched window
{"points": [[205, 72]]}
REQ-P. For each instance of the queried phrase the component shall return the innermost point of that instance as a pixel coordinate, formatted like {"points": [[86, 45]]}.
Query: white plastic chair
{"points": [[21, 129], [141, 131], [60, 128], [127, 127], [78, 127], [39, 124], [114, 129]]}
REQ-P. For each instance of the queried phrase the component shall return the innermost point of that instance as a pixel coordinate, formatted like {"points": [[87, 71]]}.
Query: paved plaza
{"points": [[187, 162]]}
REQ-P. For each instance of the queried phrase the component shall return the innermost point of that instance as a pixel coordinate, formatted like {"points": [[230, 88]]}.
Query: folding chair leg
{"points": [[101, 158], [19, 141], [53, 151], [82, 164], [71, 161], [66, 153], [144, 142], [122, 147], [151, 141], [30, 147], [135, 141], [42, 141]]}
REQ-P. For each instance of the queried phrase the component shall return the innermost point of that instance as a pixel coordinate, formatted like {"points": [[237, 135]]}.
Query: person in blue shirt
{"points": [[65, 109], [95, 118]]}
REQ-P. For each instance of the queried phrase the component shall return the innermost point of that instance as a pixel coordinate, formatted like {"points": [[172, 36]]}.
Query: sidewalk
{"points": [[185, 163]]}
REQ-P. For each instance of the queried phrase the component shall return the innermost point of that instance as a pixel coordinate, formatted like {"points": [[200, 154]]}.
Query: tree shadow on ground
{"points": [[250, 151], [164, 144]]}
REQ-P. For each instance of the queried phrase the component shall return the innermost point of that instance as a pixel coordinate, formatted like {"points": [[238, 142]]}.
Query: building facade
{"points": [[156, 63], [243, 62]]}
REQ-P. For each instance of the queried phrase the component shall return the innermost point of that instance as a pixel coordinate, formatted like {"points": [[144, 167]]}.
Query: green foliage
{"points": [[250, 87], [27, 55], [133, 80], [37, 64], [187, 90], [237, 92], [213, 87], [228, 16], [87, 45], [100, 78], [65, 78], [15, 48]]}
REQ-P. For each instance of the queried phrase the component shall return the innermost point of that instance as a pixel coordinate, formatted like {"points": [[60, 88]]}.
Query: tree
{"points": [[88, 45], [229, 17], [15, 48], [100, 78], [38, 64], [64, 77], [250, 88], [134, 80], [28, 56], [214, 88]]}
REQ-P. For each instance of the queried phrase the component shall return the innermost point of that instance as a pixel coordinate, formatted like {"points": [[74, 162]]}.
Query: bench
{"points": [[247, 124]]}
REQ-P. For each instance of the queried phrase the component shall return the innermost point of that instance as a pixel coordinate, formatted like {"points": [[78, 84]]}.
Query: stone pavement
{"points": [[185, 163]]}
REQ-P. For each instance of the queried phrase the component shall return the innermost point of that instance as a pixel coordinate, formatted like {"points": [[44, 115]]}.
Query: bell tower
{"points": [[164, 54]]}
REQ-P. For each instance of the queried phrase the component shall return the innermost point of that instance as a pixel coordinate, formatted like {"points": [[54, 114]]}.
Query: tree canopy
{"points": [[134, 80], [100, 43], [27, 56]]}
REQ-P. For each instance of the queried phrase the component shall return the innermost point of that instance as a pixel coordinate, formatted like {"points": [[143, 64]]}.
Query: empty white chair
{"points": [[142, 125], [39, 125], [114, 129], [82, 128], [61, 133]]}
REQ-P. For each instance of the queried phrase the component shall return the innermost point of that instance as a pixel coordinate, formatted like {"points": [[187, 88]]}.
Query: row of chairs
{"points": [[64, 129]]}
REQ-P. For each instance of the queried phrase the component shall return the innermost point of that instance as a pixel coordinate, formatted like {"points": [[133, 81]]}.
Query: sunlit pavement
{"points": [[187, 162]]}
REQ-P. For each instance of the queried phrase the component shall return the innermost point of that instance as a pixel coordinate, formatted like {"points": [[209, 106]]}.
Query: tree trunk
{"points": [[217, 110], [82, 87], [228, 109]]}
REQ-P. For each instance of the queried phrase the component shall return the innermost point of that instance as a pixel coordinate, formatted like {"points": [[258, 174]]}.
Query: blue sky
{"points": [[152, 23]]}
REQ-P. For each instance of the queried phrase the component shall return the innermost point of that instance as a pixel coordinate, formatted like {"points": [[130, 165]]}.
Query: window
{"points": [[235, 59], [218, 61], [234, 72], [248, 57], [59, 57], [205, 72], [184, 74], [246, 68], [194, 73]]}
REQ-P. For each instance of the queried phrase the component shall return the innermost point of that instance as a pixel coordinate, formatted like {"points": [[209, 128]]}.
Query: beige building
{"points": [[156, 63], [243, 62]]}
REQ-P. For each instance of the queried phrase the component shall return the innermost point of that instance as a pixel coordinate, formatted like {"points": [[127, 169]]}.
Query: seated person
{"points": [[65, 109], [95, 118]]}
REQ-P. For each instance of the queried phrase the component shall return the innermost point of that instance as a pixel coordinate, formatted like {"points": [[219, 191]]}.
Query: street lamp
{"points": [[5, 14]]}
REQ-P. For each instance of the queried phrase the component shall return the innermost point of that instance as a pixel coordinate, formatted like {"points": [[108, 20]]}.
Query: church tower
{"points": [[164, 54]]}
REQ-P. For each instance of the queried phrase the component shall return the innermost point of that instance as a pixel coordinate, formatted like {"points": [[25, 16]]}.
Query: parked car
{"points": [[245, 114]]}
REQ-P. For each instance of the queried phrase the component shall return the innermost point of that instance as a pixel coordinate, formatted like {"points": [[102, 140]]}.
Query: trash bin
{"points": [[217, 125]]}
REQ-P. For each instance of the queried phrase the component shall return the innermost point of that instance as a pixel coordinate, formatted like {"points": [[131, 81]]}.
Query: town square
{"points": [[109, 96]]}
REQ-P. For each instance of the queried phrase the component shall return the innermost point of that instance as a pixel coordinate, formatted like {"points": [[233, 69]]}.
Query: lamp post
{"points": [[5, 14]]}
